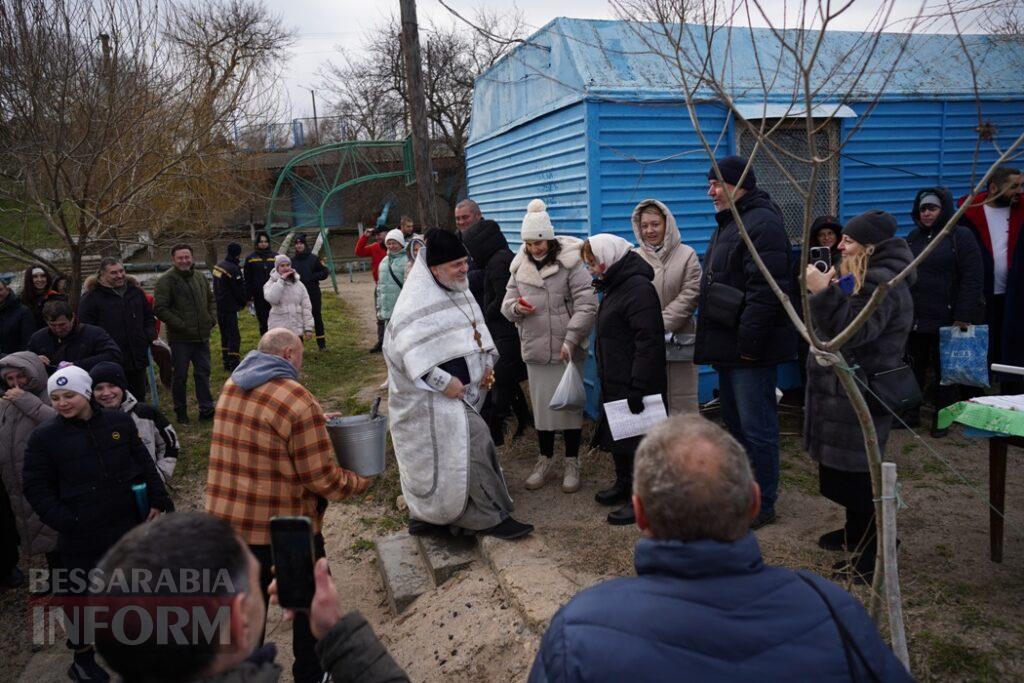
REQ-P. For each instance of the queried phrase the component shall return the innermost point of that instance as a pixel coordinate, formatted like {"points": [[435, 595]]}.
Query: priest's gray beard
{"points": [[456, 285]]}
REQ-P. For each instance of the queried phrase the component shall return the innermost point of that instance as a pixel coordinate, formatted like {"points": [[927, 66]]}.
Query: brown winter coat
{"points": [[17, 420], [677, 275], [564, 299]]}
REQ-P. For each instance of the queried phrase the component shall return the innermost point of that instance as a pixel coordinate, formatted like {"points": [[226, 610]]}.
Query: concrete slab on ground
{"points": [[405, 574], [446, 556]]}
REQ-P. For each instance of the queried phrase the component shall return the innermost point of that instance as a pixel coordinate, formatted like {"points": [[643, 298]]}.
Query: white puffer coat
{"points": [[289, 303]]}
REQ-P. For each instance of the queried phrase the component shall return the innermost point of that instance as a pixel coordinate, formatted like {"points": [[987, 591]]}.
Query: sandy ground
{"points": [[964, 614]]}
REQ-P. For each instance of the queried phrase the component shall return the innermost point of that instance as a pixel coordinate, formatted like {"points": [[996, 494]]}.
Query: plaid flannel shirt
{"points": [[270, 455]]}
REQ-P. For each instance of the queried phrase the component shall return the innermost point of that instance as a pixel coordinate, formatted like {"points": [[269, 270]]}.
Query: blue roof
{"points": [[573, 59]]}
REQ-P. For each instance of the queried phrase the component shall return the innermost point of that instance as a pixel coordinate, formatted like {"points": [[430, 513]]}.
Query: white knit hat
{"points": [[70, 378], [536, 224], [395, 235]]}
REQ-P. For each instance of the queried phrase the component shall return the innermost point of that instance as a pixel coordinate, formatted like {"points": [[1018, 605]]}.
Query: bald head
{"points": [[282, 342], [693, 481]]}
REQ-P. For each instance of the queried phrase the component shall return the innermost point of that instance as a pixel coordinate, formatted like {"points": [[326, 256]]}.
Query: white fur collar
{"points": [[524, 270]]}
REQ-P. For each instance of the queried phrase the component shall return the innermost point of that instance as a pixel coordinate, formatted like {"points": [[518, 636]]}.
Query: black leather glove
{"points": [[635, 403]]}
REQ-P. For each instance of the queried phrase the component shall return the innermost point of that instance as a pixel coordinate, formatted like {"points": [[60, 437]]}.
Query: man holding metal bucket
{"points": [[270, 455]]}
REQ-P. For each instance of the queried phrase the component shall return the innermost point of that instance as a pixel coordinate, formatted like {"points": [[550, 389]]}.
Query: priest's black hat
{"points": [[443, 246]]}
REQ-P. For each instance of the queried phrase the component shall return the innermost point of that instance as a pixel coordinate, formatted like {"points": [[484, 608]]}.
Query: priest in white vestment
{"points": [[440, 359]]}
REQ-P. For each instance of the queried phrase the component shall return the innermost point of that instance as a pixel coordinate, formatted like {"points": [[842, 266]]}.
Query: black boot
{"points": [[622, 490], [622, 516], [521, 409], [380, 338]]}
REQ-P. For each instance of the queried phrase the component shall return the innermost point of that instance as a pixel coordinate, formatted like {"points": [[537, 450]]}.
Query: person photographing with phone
{"points": [[270, 455]]}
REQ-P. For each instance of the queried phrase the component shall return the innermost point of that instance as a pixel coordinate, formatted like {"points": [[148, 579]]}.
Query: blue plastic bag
{"points": [[964, 355]]}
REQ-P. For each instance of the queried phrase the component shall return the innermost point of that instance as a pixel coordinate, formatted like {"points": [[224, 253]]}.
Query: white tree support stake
{"points": [[892, 575]]}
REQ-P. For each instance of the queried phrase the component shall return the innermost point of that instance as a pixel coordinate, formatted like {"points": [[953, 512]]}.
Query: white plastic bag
{"points": [[570, 393]]}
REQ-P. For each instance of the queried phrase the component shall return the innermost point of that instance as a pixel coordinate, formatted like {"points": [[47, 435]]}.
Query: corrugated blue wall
{"points": [[900, 147]]}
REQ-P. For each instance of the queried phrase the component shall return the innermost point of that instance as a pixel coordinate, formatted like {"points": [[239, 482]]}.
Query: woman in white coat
{"points": [[289, 301], [677, 279], [552, 302]]}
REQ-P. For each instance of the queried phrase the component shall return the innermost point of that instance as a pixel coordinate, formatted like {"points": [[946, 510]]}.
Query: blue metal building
{"points": [[587, 117]]}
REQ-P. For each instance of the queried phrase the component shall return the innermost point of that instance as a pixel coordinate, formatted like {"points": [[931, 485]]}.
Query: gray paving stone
{"points": [[446, 556], [405, 575]]}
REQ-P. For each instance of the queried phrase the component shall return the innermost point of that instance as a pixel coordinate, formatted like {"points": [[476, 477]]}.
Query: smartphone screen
{"points": [[291, 541]]}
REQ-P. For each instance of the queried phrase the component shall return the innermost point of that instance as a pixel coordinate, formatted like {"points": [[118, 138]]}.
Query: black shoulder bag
{"points": [[723, 303], [400, 283]]}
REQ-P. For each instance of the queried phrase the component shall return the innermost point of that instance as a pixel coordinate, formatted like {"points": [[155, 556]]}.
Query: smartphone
{"points": [[821, 258], [291, 543]]}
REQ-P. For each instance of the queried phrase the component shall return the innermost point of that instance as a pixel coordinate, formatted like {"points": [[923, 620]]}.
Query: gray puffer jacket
{"points": [[17, 420], [564, 299], [832, 435]]}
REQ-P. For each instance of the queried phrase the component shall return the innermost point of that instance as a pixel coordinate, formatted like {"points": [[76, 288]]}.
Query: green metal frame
{"points": [[353, 168]]}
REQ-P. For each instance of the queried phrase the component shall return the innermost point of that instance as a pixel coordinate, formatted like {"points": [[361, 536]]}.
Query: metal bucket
{"points": [[360, 443]]}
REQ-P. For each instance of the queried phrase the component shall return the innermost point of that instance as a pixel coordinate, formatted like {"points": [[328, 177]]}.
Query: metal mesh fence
{"points": [[792, 137]]}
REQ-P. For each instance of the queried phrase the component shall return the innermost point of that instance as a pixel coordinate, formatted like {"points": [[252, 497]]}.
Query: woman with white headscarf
{"points": [[630, 352]]}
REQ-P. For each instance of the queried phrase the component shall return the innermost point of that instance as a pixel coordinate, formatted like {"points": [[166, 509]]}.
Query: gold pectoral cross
{"points": [[476, 336]]}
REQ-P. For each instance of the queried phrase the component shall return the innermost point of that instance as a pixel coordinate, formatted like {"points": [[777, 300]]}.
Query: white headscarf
{"points": [[609, 249]]}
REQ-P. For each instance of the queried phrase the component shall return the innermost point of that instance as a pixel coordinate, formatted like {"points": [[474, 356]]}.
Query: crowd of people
{"points": [[462, 322]]}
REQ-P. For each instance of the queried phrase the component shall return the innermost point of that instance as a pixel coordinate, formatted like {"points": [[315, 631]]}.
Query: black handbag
{"points": [[723, 305], [894, 390]]}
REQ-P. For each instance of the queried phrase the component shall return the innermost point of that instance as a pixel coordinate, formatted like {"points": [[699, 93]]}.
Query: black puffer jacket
{"points": [[78, 478], [85, 346], [127, 318], [764, 333], [229, 286], [17, 324], [311, 272], [832, 435], [258, 267], [951, 280], [488, 247], [630, 347]]}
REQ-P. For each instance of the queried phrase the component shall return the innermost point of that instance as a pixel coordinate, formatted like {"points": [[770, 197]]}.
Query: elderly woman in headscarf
{"points": [[630, 352], [677, 281], [412, 250]]}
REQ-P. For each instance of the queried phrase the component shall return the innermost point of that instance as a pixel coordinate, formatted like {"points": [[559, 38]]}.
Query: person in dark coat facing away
{"points": [[832, 434], [742, 329], [312, 272], [258, 267], [703, 605], [17, 324], [115, 302], [488, 247], [65, 339], [948, 291], [630, 351], [81, 472], [231, 296]]}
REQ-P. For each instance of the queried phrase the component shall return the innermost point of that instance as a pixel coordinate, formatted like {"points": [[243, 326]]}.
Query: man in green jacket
{"points": [[184, 301]]}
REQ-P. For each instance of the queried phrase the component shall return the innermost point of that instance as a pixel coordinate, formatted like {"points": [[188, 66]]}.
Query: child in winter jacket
{"points": [[110, 389], [290, 306]]}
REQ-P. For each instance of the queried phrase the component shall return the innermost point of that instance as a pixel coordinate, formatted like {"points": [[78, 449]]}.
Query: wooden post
{"points": [[893, 599], [418, 114]]}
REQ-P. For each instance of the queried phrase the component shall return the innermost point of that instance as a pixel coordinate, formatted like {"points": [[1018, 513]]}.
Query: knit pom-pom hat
{"points": [[536, 223]]}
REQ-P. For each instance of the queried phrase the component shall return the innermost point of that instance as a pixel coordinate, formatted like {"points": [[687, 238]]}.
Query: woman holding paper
{"points": [[677, 281], [550, 299], [630, 353]]}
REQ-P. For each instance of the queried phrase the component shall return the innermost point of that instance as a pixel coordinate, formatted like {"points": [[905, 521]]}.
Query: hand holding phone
{"points": [[291, 543], [325, 610]]}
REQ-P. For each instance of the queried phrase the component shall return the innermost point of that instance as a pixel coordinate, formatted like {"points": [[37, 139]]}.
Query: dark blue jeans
{"points": [[196, 354], [750, 413]]}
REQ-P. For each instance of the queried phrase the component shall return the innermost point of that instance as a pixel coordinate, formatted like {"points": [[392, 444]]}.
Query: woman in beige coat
{"points": [[550, 299], [677, 278]]}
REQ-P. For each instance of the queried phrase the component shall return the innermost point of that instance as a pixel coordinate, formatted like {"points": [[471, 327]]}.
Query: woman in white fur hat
{"points": [[551, 301], [290, 306]]}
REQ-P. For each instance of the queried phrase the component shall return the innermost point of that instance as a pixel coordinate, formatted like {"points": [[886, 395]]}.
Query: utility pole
{"points": [[316, 125], [418, 114]]}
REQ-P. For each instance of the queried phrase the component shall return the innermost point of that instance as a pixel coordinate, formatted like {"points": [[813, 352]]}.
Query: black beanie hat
{"points": [[871, 227], [301, 238], [826, 221], [234, 250], [443, 247], [108, 371], [732, 168]]}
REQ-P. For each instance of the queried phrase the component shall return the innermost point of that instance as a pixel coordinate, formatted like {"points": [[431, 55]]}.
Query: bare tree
{"points": [[369, 86], [107, 107]]}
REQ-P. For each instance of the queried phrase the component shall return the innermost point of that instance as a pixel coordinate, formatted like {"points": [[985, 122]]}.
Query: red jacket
{"points": [[376, 252], [975, 215]]}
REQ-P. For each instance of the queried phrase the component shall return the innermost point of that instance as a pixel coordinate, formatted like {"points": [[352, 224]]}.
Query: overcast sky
{"points": [[321, 25]]}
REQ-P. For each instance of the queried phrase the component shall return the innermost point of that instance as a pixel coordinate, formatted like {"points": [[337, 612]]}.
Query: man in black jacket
{"points": [[311, 272], [488, 247], [948, 291], [742, 329], [258, 267], [16, 321], [66, 339], [116, 303], [231, 296], [203, 545], [468, 214]]}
